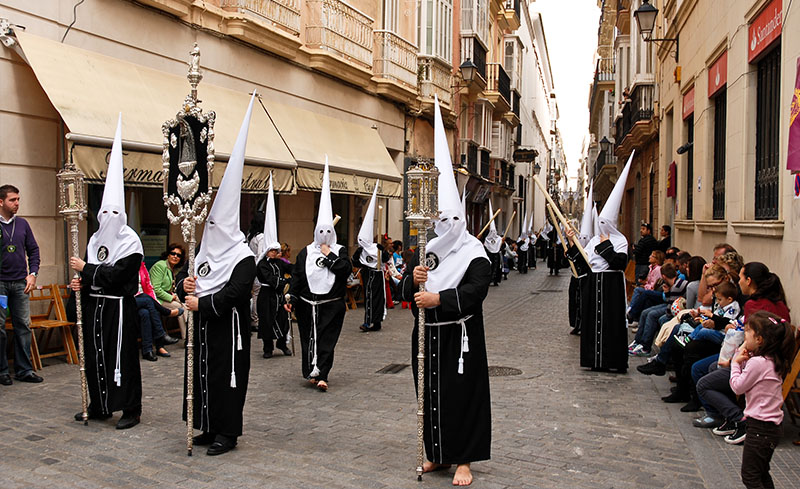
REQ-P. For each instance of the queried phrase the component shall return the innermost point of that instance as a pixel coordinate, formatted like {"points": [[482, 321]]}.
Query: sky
{"points": [[571, 30]]}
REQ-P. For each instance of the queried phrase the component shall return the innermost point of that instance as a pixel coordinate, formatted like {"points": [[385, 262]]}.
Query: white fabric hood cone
{"points": [[493, 240], [587, 221], [270, 240], [369, 250], [320, 278], [114, 239], [523, 235], [224, 244], [595, 221], [607, 222], [452, 250]]}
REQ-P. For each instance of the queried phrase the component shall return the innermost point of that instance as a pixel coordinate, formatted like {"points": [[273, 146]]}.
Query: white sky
{"points": [[571, 30]]}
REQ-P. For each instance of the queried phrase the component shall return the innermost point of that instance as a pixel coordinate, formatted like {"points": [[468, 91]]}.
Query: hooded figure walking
{"points": [[458, 426], [317, 292], [523, 242], [109, 280], [604, 334], [273, 321], [494, 244], [366, 258], [224, 270]]}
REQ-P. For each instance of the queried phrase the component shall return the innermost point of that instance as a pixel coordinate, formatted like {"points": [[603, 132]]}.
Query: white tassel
{"points": [[233, 380], [314, 373], [465, 346], [239, 341], [460, 365], [118, 377]]}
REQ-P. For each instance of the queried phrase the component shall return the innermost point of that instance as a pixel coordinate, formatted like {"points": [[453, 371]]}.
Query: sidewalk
{"points": [[555, 425]]}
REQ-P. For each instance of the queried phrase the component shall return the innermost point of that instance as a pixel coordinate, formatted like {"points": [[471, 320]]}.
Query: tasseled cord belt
{"points": [[236, 344], [314, 305], [117, 365], [464, 338]]}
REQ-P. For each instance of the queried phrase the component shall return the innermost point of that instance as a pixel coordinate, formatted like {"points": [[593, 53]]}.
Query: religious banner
{"points": [[672, 179], [793, 158]]}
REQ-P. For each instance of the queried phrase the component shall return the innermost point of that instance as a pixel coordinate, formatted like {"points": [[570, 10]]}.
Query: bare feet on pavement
{"points": [[463, 476], [433, 467]]}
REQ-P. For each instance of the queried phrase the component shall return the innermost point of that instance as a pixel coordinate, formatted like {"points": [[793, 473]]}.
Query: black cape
{"points": [[327, 317], [223, 319], [374, 287], [496, 264], [458, 422], [118, 283], [604, 333], [522, 257], [273, 320]]}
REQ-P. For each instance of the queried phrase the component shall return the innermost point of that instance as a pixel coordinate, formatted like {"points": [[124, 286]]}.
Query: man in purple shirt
{"points": [[19, 265]]}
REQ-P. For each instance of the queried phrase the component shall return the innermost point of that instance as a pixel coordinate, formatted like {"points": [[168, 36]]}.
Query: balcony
{"points": [[498, 88], [395, 66], [472, 49], [636, 126], [338, 40], [435, 77], [512, 117], [511, 14], [273, 25], [485, 163], [473, 23], [469, 155], [604, 75]]}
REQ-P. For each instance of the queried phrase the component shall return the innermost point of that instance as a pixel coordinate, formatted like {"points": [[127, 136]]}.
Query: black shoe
{"points": [[149, 356], [286, 351], [675, 397], [204, 439], [653, 368], [127, 421], [164, 353], [576, 331], [726, 428], [738, 436], [79, 416], [267, 354], [222, 444], [168, 340], [5, 379], [693, 406], [29, 377]]}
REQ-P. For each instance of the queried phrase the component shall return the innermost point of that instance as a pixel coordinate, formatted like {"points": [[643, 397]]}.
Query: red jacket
{"points": [[144, 281]]}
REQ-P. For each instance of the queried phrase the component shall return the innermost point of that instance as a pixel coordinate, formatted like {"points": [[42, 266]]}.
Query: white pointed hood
{"points": [[607, 222], [270, 240], [587, 221], [493, 241], [224, 244], [524, 236], [369, 250], [320, 278], [114, 239], [452, 250], [595, 221]]}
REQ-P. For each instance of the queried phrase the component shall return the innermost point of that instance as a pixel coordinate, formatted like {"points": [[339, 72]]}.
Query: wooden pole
{"points": [[561, 237], [508, 226], [488, 223], [559, 215]]}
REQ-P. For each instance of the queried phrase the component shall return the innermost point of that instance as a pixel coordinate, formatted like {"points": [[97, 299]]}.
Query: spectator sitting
{"points": [[655, 261], [163, 273], [683, 263], [726, 311], [653, 317], [152, 331], [645, 296]]}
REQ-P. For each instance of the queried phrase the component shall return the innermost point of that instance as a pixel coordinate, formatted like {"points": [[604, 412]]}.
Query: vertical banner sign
{"points": [[765, 29], [672, 179], [718, 74], [688, 103], [793, 159]]}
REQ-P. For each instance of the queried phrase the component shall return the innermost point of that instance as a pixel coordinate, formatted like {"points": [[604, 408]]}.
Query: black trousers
{"points": [[759, 444]]}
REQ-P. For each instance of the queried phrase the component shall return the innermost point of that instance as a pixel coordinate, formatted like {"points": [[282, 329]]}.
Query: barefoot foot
{"points": [[463, 476], [322, 385], [433, 467]]}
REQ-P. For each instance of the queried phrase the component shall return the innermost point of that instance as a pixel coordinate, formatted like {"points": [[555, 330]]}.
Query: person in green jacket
{"points": [[162, 276]]}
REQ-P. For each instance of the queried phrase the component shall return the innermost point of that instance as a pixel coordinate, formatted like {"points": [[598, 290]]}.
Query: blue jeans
{"points": [[650, 323], [149, 320], [666, 349], [708, 334], [642, 299], [20, 309]]}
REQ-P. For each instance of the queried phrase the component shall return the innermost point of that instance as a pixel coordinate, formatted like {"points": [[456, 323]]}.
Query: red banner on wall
{"points": [[672, 179], [793, 159], [688, 103], [718, 74], [765, 29]]}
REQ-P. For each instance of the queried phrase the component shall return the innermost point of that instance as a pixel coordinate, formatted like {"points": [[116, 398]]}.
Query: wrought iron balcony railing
{"points": [[284, 14], [472, 49], [340, 29], [639, 108], [499, 81]]}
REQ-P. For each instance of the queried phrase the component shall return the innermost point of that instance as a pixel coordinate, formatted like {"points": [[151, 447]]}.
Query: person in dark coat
{"points": [[642, 249]]}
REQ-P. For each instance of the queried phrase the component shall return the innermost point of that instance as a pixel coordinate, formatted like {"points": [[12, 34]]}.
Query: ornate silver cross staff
{"points": [[72, 205], [423, 204], [189, 140]]}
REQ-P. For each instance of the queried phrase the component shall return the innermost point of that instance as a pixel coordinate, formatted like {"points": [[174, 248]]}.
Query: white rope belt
{"points": [[314, 305], [236, 344], [464, 338], [117, 365]]}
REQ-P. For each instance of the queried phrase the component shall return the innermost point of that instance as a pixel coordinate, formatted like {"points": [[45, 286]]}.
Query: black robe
{"points": [[458, 422], [604, 334], [118, 283], [575, 302], [273, 320], [374, 288], [522, 257], [217, 405], [329, 315], [496, 264], [555, 252], [532, 256]]}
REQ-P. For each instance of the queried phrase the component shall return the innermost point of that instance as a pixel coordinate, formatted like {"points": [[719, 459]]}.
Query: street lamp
{"points": [[605, 144], [468, 71], [537, 168], [646, 20]]}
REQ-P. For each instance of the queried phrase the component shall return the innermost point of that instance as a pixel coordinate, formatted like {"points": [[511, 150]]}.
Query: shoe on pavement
{"points": [[29, 377], [576, 331], [632, 345], [222, 444], [168, 340], [149, 356], [203, 439], [738, 436], [5, 379], [267, 354], [707, 422], [725, 429], [164, 353], [653, 368], [286, 351], [675, 397], [127, 421], [693, 406]]}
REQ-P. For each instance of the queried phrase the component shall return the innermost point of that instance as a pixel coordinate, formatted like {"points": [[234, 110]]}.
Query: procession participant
{"points": [[532, 246], [587, 228], [604, 335], [317, 291], [456, 277], [555, 250], [109, 282], [493, 243], [224, 270], [273, 321], [372, 273], [522, 247]]}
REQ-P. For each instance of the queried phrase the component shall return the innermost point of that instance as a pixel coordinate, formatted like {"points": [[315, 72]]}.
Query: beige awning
{"points": [[356, 153], [145, 170], [89, 90]]}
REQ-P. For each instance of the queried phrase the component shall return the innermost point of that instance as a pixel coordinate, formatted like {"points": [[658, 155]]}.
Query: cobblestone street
{"points": [[554, 426]]}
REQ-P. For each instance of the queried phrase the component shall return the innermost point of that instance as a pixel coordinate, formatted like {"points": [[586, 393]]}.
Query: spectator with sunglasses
{"points": [[162, 276]]}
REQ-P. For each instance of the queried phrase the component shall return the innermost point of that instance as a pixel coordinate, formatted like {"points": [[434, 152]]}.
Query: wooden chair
{"points": [[630, 278], [47, 326], [61, 292], [353, 289]]}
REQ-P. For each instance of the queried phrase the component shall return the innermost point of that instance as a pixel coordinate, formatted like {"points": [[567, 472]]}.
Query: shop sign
{"points": [[688, 103], [718, 74], [765, 29]]}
